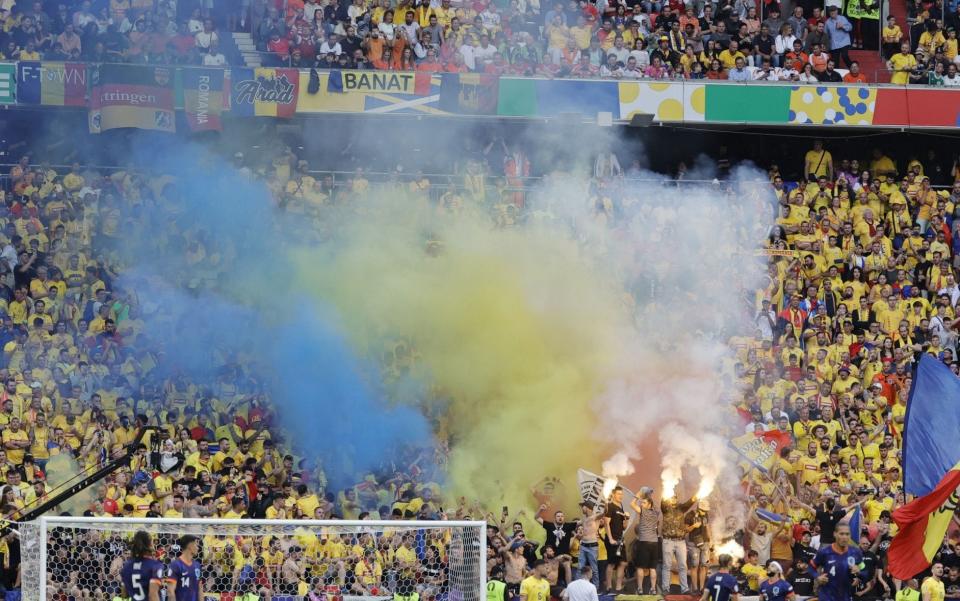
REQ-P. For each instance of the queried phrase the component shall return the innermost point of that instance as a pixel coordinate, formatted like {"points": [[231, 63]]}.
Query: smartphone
{"points": [[505, 510]]}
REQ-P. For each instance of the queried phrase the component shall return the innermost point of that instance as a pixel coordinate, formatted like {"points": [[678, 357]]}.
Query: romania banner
{"points": [[930, 431], [52, 84], [761, 451], [264, 92], [923, 523], [203, 98], [131, 96]]}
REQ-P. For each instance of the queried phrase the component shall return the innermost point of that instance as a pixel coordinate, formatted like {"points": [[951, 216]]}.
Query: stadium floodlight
{"points": [[280, 560]]}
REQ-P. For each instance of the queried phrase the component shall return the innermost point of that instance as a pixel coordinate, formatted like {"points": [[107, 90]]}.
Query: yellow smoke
{"points": [[61, 471], [513, 329]]}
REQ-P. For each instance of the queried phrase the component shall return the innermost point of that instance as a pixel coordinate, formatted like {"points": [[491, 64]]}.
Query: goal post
{"points": [[79, 558]]}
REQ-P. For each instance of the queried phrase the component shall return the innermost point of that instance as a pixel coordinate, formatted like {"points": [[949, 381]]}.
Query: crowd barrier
{"points": [[206, 95]]}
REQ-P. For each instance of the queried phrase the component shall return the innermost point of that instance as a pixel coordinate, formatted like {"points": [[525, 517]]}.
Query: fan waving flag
{"points": [[931, 426], [855, 525], [923, 523], [761, 450]]}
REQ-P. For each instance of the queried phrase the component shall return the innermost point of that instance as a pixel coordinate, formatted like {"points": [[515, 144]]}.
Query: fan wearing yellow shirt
{"points": [[140, 500], [176, 510], [277, 509], [307, 502], [368, 573], [273, 557], [406, 558], [536, 587], [932, 588], [818, 162], [902, 64]]}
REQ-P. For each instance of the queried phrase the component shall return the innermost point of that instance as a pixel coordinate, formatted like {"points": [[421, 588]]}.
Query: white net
{"points": [[244, 560]]}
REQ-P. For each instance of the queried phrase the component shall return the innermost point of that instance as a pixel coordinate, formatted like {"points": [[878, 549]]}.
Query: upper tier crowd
{"points": [[739, 40]]}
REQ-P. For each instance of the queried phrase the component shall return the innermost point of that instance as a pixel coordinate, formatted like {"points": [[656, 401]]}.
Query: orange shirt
{"points": [[819, 61], [858, 78]]}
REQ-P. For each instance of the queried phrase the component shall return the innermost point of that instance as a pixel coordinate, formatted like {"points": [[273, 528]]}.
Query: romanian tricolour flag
{"points": [[264, 92], [203, 98], [52, 84], [923, 524], [932, 422]]}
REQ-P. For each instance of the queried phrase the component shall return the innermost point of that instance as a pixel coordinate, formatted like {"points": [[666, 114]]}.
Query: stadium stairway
{"points": [[246, 50], [871, 63]]}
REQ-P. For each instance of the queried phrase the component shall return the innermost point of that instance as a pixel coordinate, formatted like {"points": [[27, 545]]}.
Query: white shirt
{"points": [[309, 8], [951, 82], [326, 48], [214, 60], [467, 51], [953, 292], [580, 590], [204, 39], [484, 55], [387, 29]]}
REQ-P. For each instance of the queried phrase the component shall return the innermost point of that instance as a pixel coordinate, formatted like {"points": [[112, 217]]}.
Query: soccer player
{"points": [[775, 588], [142, 575], [183, 575], [838, 566], [721, 586]]}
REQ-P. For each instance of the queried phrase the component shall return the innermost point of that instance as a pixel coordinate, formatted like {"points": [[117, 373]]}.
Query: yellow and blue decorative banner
{"points": [[840, 105]]}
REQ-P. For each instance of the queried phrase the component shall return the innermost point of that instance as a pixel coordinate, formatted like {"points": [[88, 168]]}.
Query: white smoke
{"points": [[685, 253]]}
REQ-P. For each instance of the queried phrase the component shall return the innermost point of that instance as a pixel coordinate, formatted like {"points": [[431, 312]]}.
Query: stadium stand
{"points": [[648, 40]]}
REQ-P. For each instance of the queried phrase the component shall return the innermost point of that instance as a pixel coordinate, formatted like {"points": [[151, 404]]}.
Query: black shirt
{"points": [[803, 553], [559, 536], [828, 522], [802, 583], [618, 519]]}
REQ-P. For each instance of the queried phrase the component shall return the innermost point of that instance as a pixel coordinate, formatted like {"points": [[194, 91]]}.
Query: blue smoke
{"points": [[205, 322]]}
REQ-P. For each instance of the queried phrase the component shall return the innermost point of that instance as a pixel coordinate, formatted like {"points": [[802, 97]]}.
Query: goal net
{"points": [[79, 559]]}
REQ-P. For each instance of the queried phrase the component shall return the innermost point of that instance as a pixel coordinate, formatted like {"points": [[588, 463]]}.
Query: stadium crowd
{"points": [[739, 40], [862, 282]]}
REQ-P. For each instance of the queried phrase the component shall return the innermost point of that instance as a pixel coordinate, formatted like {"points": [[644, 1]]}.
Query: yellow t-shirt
{"points": [[753, 574], [538, 589], [15, 455], [819, 167], [933, 588], [141, 505], [901, 64]]}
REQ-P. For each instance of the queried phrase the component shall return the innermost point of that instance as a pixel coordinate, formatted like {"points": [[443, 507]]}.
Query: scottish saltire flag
{"points": [[932, 423], [923, 523]]}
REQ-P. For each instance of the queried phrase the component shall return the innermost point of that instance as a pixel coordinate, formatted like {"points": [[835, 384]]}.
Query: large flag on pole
{"points": [[931, 427], [592, 491], [923, 523]]}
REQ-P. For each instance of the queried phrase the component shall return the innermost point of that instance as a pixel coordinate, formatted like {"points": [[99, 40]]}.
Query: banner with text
{"points": [[131, 96], [264, 92], [52, 84], [203, 98]]}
